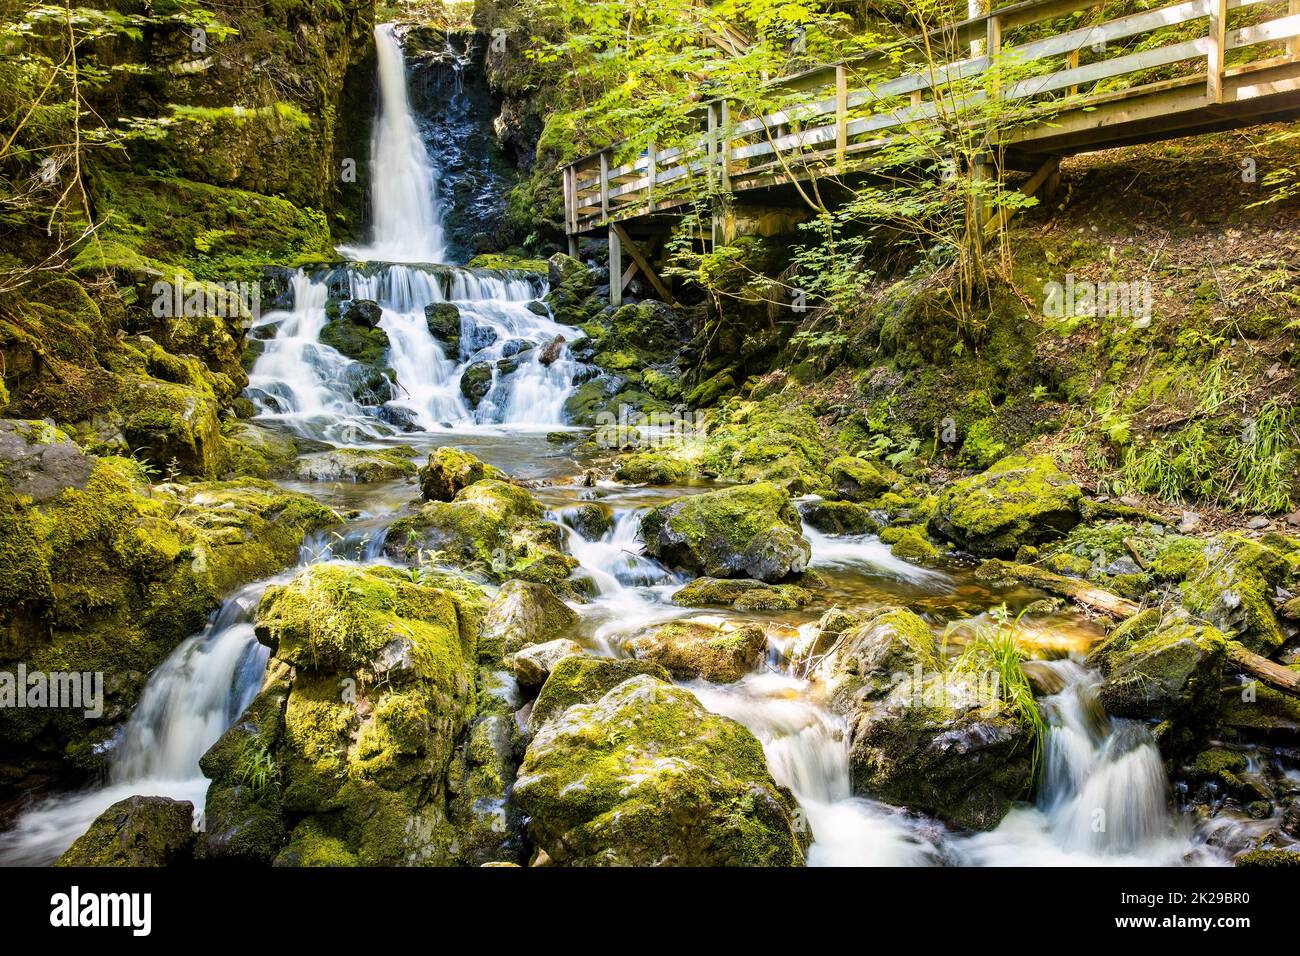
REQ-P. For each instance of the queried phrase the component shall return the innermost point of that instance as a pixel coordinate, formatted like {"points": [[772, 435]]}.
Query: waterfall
{"points": [[406, 220], [1104, 798], [189, 701]]}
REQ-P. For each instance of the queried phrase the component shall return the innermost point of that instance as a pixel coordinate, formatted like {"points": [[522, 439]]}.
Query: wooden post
{"points": [[1293, 44], [994, 36], [573, 245], [724, 144], [1072, 61], [615, 267], [1218, 42], [651, 171], [604, 185], [711, 142], [841, 114]]}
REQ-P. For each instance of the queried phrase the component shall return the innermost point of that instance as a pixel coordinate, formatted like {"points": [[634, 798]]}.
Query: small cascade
{"points": [[866, 553], [806, 751], [1104, 798], [304, 384], [189, 701]]}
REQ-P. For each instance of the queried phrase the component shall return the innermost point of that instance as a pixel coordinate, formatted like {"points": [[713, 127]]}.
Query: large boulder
{"points": [[716, 650], [1163, 667], [137, 831], [491, 527], [534, 663], [942, 742], [1018, 501], [645, 776], [743, 594], [584, 679], [747, 531], [524, 614], [378, 676], [856, 479], [450, 470]]}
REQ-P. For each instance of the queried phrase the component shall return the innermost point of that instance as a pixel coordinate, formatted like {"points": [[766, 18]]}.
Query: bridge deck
{"points": [[1181, 68]]}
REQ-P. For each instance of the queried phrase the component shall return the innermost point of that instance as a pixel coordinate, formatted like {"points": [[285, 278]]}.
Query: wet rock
{"points": [[358, 465], [838, 517], [259, 451], [450, 470], [873, 653], [1162, 668], [476, 382], [38, 461], [744, 594], [715, 650], [552, 350], [591, 520], [443, 321], [532, 664], [584, 679], [524, 614], [1018, 501], [855, 479], [1258, 523], [137, 831], [404, 419], [748, 531], [1261, 713], [646, 776]]}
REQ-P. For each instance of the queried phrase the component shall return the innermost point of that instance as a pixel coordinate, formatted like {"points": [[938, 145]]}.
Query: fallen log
{"points": [[1081, 592], [1275, 675]]}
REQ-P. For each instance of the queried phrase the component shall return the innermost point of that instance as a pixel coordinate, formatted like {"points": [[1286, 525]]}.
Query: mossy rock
{"points": [[476, 382], [450, 470], [856, 479], [646, 776], [137, 831], [913, 545], [718, 652], [1233, 589], [872, 653], [259, 452], [651, 468], [1261, 713], [747, 531], [1266, 858], [1161, 668], [383, 686], [839, 517], [523, 614], [443, 320], [533, 664], [743, 594], [358, 465], [1018, 501], [768, 441], [583, 679]]}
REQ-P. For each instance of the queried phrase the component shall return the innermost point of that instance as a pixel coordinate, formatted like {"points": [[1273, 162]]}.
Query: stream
{"points": [[1093, 764]]}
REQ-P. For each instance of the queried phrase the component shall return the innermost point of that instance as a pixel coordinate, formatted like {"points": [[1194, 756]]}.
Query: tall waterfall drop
{"points": [[407, 222]]}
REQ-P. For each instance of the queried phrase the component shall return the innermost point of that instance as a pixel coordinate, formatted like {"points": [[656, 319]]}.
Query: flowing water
{"points": [[1104, 796]]}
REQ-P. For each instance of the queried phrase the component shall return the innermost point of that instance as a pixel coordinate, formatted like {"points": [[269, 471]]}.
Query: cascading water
{"points": [[406, 219]]}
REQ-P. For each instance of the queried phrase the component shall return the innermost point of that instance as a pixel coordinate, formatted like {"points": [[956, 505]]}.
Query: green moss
{"points": [[914, 546], [856, 479], [583, 679], [743, 594], [651, 468], [691, 649], [984, 444], [746, 531], [1232, 591], [450, 470], [137, 831], [645, 775]]}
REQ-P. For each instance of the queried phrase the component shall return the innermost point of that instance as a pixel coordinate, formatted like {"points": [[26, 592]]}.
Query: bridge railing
{"points": [[832, 119]]}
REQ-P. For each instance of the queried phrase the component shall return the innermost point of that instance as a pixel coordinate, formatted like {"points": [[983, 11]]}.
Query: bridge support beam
{"points": [[615, 266]]}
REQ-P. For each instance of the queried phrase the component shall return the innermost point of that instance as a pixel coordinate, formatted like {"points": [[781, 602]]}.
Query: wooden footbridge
{"points": [[1173, 70]]}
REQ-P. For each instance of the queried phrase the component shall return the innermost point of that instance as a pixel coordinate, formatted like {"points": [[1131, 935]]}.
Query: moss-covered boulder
{"points": [[646, 776], [1232, 589], [744, 594], [856, 479], [651, 468], [491, 527], [476, 382], [107, 573], [584, 679], [748, 531], [769, 441], [443, 320], [525, 613], [449, 470], [873, 653], [718, 651], [137, 831], [353, 330], [1165, 668], [1018, 501], [257, 451], [838, 517], [381, 686], [358, 465]]}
